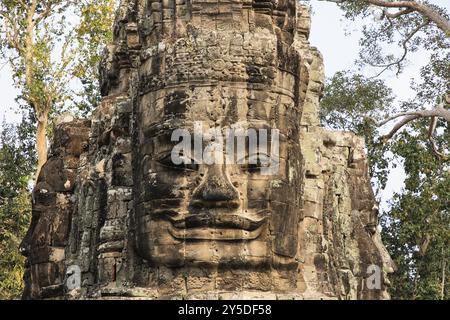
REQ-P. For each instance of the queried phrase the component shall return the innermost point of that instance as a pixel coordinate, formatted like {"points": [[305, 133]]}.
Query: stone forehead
{"points": [[176, 110]]}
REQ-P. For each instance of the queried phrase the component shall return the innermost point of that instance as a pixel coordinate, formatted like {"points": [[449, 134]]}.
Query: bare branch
{"points": [[437, 112], [436, 150], [397, 14], [405, 50], [400, 125], [434, 114], [431, 131], [432, 128], [425, 10]]}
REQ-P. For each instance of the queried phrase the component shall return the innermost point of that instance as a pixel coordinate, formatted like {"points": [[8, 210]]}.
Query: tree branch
{"points": [[425, 10], [431, 131], [397, 14], [407, 119], [48, 9], [439, 112], [443, 275], [434, 114], [405, 50]]}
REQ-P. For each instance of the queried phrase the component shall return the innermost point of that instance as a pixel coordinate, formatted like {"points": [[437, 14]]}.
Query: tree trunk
{"points": [[41, 142], [443, 275]]}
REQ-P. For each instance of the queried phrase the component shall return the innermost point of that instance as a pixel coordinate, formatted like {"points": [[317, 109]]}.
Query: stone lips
{"points": [[218, 221], [213, 226], [221, 227]]}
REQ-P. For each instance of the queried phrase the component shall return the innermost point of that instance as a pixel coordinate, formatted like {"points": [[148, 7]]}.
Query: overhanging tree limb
{"points": [[439, 112], [397, 14], [434, 114], [409, 7], [414, 6], [405, 50]]}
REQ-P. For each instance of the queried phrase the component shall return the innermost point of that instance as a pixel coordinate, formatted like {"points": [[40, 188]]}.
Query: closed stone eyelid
{"points": [[248, 157]]}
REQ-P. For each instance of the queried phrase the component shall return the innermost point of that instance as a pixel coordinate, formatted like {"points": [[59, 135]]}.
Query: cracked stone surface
{"points": [[113, 219]]}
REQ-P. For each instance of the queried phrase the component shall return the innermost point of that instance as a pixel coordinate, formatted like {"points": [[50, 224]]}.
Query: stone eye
{"points": [[187, 165], [253, 164]]}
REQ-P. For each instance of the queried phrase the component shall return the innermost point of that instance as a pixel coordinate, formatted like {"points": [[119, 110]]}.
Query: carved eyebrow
{"points": [[162, 155], [168, 153]]}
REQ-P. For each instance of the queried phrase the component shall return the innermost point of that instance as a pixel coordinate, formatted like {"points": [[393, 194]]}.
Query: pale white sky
{"points": [[330, 34]]}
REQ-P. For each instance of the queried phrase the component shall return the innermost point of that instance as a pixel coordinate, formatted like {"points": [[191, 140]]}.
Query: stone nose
{"points": [[215, 191]]}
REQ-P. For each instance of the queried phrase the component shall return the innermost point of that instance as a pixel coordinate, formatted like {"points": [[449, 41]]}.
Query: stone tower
{"points": [[114, 217]]}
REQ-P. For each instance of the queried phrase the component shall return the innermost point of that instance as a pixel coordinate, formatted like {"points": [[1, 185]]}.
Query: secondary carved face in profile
{"points": [[211, 213]]}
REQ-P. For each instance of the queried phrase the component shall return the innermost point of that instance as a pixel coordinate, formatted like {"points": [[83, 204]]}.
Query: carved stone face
{"points": [[226, 213], [373, 253], [220, 213]]}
